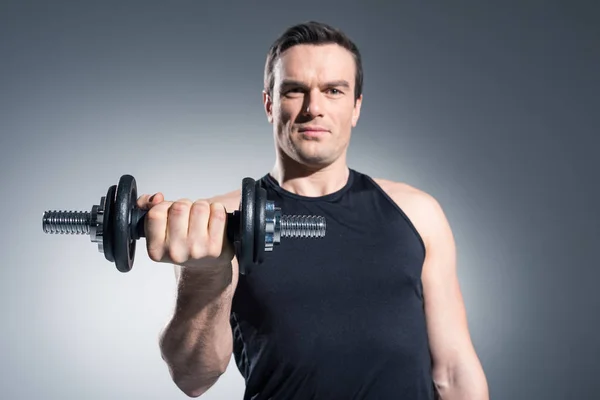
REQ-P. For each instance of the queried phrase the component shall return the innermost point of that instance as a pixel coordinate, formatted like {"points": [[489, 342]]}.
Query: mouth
{"points": [[313, 134], [313, 131]]}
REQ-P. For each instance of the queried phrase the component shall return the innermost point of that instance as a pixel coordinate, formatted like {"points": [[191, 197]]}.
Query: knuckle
{"points": [[217, 213], [155, 214], [200, 206], [159, 211], [197, 250], [179, 207], [177, 255], [155, 253]]}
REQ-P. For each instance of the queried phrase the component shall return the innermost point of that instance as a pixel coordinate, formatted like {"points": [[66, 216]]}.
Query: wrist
{"points": [[208, 278]]}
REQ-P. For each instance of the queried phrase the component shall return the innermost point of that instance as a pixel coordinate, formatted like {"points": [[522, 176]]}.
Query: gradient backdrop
{"points": [[493, 110]]}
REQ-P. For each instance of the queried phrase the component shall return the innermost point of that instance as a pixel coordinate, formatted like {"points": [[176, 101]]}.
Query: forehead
{"points": [[309, 62]]}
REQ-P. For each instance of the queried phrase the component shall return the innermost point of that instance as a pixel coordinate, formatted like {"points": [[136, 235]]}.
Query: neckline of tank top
{"points": [[328, 197]]}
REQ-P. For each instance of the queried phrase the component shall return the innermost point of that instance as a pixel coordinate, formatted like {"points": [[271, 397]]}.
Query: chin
{"points": [[313, 160]]}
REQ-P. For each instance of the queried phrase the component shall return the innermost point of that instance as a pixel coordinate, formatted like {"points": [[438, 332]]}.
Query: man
{"points": [[371, 311]]}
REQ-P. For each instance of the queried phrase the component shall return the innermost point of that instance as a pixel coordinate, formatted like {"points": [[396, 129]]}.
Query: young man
{"points": [[371, 311]]}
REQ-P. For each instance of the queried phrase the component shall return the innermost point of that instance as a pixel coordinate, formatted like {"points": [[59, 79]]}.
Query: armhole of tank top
{"points": [[402, 213]]}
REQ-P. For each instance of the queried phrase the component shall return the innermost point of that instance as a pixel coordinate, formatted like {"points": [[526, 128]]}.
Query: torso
{"points": [[406, 197], [340, 316]]}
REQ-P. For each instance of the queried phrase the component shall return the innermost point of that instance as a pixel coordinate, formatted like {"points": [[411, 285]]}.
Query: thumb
{"points": [[146, 201]]}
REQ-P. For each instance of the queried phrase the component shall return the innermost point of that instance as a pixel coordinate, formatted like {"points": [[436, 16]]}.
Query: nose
{"points": [[312, 105]]}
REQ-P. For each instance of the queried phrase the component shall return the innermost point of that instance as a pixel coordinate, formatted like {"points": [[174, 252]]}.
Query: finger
{"points": [[177, 228], [217, 228], [142, 200], [155, 230], [197, 230], [146, 201]]}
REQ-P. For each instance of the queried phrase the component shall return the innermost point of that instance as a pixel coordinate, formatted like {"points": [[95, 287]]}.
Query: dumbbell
{"points": [[117, 223]]}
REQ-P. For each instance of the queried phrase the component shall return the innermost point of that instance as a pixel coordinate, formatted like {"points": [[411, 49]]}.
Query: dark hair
{"points": [[312, 32]]}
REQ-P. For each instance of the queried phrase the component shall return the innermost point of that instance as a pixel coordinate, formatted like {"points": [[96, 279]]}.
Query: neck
{"points": [[308, 180]]}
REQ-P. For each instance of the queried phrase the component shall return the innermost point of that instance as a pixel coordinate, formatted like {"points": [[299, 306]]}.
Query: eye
{"points": [[335, 91], [293, 91]]}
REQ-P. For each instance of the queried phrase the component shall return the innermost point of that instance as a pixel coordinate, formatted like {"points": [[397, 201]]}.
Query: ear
{"points": [[356, 112], [268, 105]]}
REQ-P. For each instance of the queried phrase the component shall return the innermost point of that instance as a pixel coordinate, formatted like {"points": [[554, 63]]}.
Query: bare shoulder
{"points": [[452, 349], [398, 188], [422, 208]]}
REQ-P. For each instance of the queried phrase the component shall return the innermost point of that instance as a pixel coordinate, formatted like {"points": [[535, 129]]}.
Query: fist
{"points": [[186, 233]]}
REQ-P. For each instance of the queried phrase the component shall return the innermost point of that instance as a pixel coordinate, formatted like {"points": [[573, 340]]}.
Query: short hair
{"points": [[311, 32]]}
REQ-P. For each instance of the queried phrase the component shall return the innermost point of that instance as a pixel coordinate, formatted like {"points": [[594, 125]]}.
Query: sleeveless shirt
{"points": [[339, 317]]}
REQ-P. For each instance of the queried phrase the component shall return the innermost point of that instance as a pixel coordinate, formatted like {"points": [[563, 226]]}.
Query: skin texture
{"points": [[314, 86]]}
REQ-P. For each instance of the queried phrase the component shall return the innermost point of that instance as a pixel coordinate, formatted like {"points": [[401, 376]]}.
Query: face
{"points": [[313, 89]]}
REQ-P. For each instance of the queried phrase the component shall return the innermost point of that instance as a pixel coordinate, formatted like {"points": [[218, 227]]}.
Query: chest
{"points": [[360, 264]]}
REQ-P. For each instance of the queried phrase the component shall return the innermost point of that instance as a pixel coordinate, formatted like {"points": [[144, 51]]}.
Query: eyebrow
{"points": [[337, 83]]}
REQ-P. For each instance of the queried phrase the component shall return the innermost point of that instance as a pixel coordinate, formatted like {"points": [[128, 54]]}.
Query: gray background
{"points": [[492, 109]]}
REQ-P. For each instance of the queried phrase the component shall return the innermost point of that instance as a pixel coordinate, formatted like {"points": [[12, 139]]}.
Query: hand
{"points": [[186, 233]]}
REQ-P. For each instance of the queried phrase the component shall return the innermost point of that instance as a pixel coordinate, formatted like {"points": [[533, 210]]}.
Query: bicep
{"points": [[449, 338]]}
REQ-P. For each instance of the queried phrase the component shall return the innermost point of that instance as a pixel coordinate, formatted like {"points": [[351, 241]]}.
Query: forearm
{"points": [[196, 344], [463, 382]]}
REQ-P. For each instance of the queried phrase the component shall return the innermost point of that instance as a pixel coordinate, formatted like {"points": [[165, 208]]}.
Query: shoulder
{"points": [[422, 208], [448, 330]]}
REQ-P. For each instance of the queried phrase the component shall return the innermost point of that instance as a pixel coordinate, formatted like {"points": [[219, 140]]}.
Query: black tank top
{"points": [[339, 317]]}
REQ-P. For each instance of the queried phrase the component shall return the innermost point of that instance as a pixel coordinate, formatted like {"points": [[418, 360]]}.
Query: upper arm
{"points": [[450, 343], [449, 338]]}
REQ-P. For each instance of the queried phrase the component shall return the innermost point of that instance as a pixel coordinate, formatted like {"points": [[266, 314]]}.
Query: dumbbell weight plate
{"points": [[246, 253], [259, 223], [123, 243], [108, 224]]}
